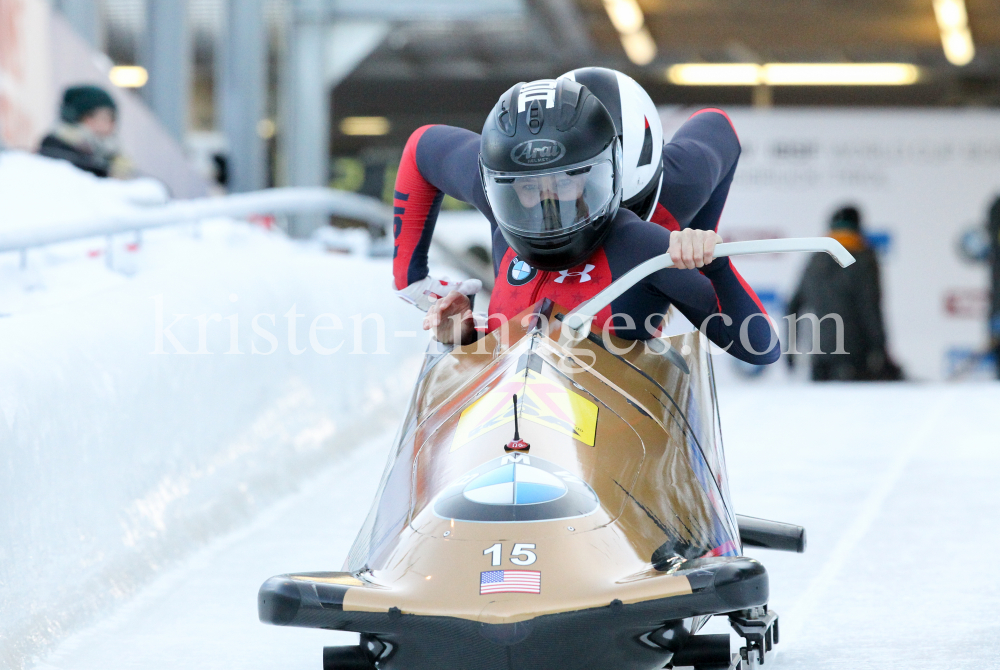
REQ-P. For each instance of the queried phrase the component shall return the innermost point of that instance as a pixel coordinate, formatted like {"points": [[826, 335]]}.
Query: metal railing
{"points": [[275, 201], [287, 201]]}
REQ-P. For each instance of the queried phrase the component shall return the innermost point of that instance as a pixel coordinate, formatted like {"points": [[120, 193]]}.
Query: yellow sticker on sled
{"points": [[540, 401]]}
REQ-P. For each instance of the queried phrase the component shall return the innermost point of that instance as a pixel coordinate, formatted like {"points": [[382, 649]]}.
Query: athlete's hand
{"points": [[424, 292], [450, 319], [693, 248]]}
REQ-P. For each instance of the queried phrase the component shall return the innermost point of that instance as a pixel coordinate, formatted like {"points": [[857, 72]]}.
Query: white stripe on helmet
{"points": [[636, 108]]}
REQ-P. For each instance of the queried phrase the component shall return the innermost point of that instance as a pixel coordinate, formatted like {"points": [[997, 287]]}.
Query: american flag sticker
{"points": [[510, 581]]}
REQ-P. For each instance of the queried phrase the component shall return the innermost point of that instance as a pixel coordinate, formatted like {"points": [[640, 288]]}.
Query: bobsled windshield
{"points": [[631, 440], [691, 404], [462, 473]]}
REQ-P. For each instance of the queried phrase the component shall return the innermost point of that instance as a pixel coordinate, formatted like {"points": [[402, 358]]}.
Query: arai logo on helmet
{"points": [[537, 152]]}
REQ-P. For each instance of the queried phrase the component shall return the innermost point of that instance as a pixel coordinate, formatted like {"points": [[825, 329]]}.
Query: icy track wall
{"points": [[116, 461]]}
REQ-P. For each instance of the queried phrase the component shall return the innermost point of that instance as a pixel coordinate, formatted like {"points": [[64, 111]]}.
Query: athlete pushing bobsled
{"points": [[548, 174]]}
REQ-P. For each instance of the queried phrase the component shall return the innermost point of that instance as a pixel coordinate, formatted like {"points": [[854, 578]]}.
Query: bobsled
{"points": [[556, 498]]}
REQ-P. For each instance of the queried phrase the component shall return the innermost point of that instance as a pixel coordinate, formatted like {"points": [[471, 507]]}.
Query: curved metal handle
{"points": [[577, 322]]}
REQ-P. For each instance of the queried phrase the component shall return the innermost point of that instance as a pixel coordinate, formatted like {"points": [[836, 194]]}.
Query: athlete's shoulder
{"points": [[627, 225], [446, 148], [713, 114], [444, 139], [707, 124], [632, 241], [442, 131]]}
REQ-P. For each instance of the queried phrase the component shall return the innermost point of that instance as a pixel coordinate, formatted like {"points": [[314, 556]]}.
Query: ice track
{"points": [[897, 486]]}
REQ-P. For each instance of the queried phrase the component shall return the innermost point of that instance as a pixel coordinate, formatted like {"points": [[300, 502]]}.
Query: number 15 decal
{"points": [[521, 554]]}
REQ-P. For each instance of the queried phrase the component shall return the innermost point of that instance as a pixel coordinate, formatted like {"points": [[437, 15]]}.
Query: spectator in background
{"points": [[86, 135], [855, 293], [994, 324]]}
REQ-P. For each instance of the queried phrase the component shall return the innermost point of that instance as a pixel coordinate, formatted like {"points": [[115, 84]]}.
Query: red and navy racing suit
{"points": [[698, 167]]}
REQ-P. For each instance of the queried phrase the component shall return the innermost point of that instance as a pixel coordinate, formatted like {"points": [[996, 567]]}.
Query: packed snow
{"points": [[131, 436], [895, 485], [36, 191]]}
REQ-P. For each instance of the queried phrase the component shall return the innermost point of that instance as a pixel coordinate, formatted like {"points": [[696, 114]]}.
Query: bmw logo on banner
{"points": [[519, 273], [516, 487]]}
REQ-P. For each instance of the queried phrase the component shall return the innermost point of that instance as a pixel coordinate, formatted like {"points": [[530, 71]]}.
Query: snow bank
{"points": [[35, 191], [119, 452]]}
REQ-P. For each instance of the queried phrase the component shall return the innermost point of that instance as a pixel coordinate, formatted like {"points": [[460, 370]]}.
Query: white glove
{"points": [[427, 291]]}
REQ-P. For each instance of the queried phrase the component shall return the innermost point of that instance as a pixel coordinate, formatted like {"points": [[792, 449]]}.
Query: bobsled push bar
{"points": [[577, 323], [771, 534]]}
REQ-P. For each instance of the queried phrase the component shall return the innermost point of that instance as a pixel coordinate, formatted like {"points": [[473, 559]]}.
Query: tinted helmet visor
{"points": [[542, 204]]}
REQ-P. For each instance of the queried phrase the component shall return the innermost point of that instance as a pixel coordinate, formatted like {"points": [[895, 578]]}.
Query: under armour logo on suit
{"points": [[583, 275]]}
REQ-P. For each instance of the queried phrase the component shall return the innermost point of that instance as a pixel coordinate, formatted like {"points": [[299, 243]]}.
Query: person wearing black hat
{"points": [[854, 294], [993, 227], [86, 133]]}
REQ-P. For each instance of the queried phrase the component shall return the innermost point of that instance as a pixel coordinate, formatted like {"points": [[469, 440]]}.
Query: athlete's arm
{"points": [[448, 157], [437, 160], [714, 297], [698, 167], [747, 334]]}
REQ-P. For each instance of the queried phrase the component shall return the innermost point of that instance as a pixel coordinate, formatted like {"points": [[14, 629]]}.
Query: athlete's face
{"points": [[533, 190]]}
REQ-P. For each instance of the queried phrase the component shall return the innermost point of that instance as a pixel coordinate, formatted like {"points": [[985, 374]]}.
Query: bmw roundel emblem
{"points": [[516, 487], [519, 273], [515, 484]]}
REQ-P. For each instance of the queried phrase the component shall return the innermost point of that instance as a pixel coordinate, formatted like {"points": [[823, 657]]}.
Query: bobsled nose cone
{"points": [[742, 584], [278, 601]]}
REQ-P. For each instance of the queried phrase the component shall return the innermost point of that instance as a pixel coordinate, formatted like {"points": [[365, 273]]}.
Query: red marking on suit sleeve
{"points": [[717, 111], [663, 217], [413, 200]]}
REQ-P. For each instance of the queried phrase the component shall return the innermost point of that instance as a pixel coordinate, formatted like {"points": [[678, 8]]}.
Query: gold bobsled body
{"points": [[604, 544]]}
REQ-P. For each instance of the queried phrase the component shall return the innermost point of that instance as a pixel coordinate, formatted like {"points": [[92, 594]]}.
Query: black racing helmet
{"points": [[550, 161]]}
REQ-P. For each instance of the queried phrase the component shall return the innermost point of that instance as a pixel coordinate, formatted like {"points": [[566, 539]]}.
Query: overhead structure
{"points": [[627, 18], [793, 74], [85, 17], [567, 26], [326, 40], [128, 76], [306, 127], [306, 130], [956, 38], [243, 95], [166, 57]]}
